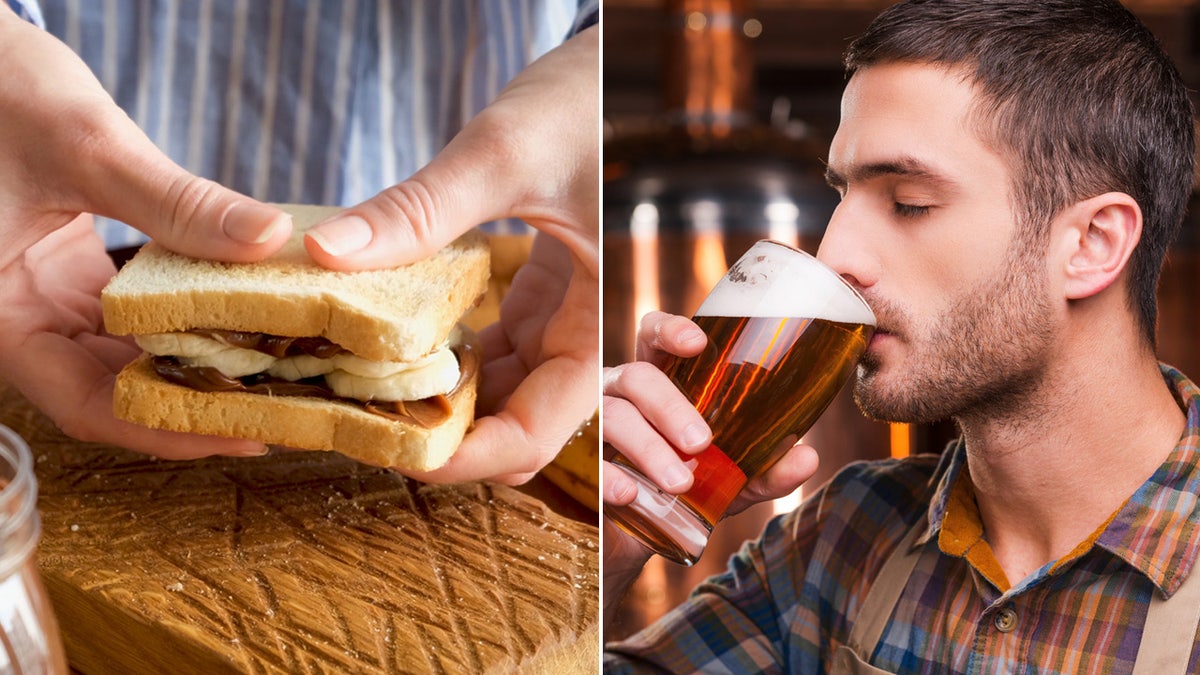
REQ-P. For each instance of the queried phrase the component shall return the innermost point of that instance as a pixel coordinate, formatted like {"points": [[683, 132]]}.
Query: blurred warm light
{"points": [[752, 28], [782, 222], [708, 256], [901, 440], [789, 503], [709, 265], [643, 228]]}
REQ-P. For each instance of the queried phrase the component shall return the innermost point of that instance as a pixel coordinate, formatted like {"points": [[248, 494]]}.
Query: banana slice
{"points": [[179, 344], [356, 365], [203, 351], [233, 361], [437, 375], [300, 367]]}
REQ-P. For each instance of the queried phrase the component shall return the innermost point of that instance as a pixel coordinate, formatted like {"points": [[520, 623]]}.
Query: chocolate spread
{"points": [[275, 345], [427, 412]]}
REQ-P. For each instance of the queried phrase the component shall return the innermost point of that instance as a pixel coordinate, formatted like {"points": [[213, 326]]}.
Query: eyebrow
{"points": [[906, 167]]}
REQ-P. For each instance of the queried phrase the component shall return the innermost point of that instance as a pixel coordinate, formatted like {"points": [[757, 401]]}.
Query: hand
{"points": [[54, 348], [532, 154], [66, 149], [646, 418]]}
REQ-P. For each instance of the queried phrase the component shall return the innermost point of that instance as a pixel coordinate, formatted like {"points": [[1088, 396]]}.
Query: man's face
{"points": [[927, 232]]}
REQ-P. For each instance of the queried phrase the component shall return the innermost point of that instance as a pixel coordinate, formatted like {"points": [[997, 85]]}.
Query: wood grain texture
{"points": [[302, 563]]}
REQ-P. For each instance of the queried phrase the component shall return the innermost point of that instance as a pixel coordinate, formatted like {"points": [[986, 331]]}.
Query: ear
{"points": [[1099, 235]]}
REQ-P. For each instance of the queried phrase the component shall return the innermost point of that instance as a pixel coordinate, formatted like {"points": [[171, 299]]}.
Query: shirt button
{"points": [[1006, 620]]}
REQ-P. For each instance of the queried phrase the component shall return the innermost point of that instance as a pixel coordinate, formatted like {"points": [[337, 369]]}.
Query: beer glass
{"points": [[785, 332]]}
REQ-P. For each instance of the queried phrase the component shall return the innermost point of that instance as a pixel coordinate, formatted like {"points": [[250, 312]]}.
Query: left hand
{"points": [[64, 362], [67, 150], [532, 154]]}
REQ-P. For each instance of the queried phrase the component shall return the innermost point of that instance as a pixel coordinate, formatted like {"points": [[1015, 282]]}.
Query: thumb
{"points": [[530, 154], [185, 213], [459, 189]]}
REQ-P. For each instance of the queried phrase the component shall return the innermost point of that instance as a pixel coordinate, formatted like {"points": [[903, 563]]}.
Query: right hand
{"points": [[67, 150], [646, 418], [531, 154]]}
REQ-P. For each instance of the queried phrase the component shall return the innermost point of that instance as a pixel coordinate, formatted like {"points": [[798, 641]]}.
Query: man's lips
{"points": [[880, 336]]}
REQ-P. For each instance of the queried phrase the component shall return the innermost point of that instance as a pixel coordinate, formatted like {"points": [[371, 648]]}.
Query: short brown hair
{"points": [[1077, 94]]}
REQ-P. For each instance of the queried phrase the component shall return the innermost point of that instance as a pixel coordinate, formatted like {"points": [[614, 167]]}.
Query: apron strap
{"points": [[1169, 634], [884, 593]]}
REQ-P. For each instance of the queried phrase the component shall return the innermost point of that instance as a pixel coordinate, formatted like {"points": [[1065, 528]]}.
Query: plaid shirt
{"points": [[789, 599]]}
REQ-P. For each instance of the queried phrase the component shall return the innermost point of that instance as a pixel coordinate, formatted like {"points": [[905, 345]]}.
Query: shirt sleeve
{"points": [[782, 604], [731, 623], [28, 10]]}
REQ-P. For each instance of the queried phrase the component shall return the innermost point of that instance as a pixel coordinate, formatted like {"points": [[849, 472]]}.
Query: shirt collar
{"points": [[1155, 531]]}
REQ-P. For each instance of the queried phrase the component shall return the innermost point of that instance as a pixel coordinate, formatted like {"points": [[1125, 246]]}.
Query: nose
{"points": [[846, 250]]}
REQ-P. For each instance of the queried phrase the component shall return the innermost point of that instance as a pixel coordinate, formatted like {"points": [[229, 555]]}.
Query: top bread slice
{"points": [[397, 314]]}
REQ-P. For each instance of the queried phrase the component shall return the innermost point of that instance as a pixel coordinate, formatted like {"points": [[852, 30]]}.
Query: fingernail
{"points": [[693, 435], [691, 336], [255, 451], [342, 236], [624, 492], [675, 476], [252, 223]]}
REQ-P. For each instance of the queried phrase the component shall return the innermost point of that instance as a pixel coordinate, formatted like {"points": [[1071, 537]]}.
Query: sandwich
{"points": [[371, 364]]}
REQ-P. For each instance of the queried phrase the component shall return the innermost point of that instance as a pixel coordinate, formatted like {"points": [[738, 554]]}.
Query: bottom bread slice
{"points": [[144, 398]]}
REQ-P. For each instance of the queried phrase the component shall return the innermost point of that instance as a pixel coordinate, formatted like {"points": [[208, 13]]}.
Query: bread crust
{"points": [[397, 314], [144, 398]]}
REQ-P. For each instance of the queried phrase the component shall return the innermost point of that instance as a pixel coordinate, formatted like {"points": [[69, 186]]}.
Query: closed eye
{"points": [[910, 210]]}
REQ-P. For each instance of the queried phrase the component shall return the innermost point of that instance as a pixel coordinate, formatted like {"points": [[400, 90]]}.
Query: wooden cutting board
{"points": [[301, 563]]}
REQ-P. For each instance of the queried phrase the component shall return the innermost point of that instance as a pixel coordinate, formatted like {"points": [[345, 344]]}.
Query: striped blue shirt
{"points": [[310, 101]]}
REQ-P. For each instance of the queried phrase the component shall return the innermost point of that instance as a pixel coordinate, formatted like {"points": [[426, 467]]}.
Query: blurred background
{"points": [[717, 114]]}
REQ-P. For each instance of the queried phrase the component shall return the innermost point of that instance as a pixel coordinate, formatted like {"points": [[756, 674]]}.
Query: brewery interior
{"points": [[716, 114]]}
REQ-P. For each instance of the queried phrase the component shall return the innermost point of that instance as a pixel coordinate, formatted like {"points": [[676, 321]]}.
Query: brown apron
{"points": [[1167, 637]]}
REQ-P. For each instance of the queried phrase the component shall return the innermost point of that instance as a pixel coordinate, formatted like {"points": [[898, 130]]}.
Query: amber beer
{"points": [[784, 335]]}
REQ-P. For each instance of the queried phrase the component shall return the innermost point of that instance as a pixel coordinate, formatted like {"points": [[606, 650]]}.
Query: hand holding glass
{"points": [[785, 332]]}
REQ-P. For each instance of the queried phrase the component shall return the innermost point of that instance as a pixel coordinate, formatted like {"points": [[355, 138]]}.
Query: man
{"points": [[1011, 174], [530, 151]]}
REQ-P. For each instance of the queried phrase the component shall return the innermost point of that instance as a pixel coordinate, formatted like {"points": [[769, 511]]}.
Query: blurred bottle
{"points": [[29, 638], [687, 194]]}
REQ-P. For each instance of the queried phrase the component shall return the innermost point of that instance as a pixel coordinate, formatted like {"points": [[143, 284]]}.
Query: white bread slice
{"points": [[144, 398], [397, 314]]}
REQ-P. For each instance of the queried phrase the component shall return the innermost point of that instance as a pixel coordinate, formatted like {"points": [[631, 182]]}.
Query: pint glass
{"points": [[785, 332]]}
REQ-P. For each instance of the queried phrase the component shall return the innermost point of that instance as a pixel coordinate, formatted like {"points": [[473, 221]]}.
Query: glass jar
{"points": [[29, 638]]}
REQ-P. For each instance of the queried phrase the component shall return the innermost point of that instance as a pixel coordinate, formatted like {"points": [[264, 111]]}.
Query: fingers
{"points": [[645, 419], [188, 214], [661, 335], [83, 154], [536, 421], [408, 221], [75, 389], [474, 179], [618, 488], [640, 391], [783, 478], [471, 181], [531, 154]]}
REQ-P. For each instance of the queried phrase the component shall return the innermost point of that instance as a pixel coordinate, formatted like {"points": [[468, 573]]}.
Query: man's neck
{"points": [[1047, 477]]}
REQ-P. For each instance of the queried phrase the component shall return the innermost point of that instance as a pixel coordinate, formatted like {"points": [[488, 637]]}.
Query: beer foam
{"points": [[774, 280]]}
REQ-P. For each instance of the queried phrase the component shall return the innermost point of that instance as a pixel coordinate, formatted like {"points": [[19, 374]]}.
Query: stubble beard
{"points": [[985, 356]]}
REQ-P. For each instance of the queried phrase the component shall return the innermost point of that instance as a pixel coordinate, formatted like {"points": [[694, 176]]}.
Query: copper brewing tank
{"points": [[688, 195]]}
